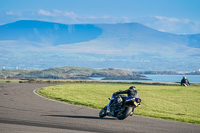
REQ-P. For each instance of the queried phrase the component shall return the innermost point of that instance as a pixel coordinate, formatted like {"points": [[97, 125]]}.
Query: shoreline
{"points": [[62, 81]]}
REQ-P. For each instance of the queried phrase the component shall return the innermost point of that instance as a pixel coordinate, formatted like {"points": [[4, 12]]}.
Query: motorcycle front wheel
{"points": [[102, 113]]}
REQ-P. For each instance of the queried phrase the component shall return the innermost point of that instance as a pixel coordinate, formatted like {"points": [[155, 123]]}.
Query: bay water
{"points": [[162, 78], [172, 78]]}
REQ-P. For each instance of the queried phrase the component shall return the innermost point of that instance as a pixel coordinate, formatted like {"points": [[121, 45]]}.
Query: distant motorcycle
{"points": [[121, 107]]}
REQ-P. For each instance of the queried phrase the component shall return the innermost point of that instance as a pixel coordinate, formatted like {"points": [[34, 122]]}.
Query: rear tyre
{"points": [[124, 114], [102, 113]]}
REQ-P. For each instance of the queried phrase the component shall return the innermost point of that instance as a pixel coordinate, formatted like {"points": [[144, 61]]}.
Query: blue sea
{"points": [[163, 78], [173, 78]]}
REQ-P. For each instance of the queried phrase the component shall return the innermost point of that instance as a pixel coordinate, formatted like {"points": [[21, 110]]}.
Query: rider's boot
{"points": [[131, 114]]}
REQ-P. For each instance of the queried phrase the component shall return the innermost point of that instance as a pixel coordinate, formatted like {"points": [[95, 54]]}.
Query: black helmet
{"points": [[132, 88]]}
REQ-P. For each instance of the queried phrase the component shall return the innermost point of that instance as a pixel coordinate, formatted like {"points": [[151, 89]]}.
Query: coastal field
{"points": [[176, 103]]}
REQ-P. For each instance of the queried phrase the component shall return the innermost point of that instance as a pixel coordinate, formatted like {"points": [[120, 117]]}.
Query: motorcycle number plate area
{"points": [[136, 104]]}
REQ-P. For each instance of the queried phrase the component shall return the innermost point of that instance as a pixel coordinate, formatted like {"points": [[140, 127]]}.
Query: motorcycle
{"points": [[120, 107]]}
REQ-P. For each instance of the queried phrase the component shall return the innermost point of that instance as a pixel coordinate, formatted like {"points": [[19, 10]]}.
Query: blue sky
{"points": [[174, 16]]}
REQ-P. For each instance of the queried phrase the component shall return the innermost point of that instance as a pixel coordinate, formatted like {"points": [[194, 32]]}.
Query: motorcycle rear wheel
{"points": [[125, 114]]}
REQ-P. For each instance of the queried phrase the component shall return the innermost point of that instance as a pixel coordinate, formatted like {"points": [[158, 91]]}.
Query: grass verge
{"points": [[12, 81], [176, 103]]}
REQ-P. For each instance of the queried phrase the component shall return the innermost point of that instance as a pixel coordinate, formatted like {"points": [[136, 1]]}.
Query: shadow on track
{"points": [[84, 117]]}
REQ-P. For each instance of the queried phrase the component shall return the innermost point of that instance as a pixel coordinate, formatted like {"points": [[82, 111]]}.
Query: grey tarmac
{"points": [[22, 111]]}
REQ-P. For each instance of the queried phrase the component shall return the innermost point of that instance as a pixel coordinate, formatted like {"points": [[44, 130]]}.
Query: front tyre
{"points": [[102, 113], [125, 113]]}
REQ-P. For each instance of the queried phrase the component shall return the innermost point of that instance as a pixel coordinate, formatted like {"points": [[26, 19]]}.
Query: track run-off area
{"points": [[23, 111]]}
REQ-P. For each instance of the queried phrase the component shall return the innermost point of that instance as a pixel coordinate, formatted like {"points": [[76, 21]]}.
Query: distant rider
{"points": [[185, 82], [131, 92]]}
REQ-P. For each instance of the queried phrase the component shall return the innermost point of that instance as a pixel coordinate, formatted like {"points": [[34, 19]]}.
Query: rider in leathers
{"points": [[131, 92]]}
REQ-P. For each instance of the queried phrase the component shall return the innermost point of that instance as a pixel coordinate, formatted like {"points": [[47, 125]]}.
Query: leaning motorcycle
{"points": [[120, 107]]}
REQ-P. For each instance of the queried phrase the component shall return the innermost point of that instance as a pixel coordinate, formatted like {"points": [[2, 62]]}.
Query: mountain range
{"points": [[31, 44]]}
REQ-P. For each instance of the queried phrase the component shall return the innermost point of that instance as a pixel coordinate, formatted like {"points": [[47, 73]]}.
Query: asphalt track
{"points": [[22, 111]]}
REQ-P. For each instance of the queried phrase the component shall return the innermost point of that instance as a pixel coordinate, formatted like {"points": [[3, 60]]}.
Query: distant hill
{"points": [[48, 33], [71, 73], [30, 44]]}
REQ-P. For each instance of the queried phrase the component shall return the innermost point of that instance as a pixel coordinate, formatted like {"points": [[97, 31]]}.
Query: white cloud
{"points": [[92, 17], [106, 17], [161, 23], [58, 13], [195, 26], [75, 18], [167, 19], [186, 21], [45, 13], [18, 13], [70, 14], [171, 24], [10, 13]]}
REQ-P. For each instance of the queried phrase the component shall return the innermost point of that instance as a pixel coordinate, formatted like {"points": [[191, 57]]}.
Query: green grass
{"points": [[11, 80], [176, 103]]}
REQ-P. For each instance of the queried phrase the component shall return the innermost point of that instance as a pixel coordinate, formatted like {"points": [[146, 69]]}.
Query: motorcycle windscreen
{"points": [[136, 94]]}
